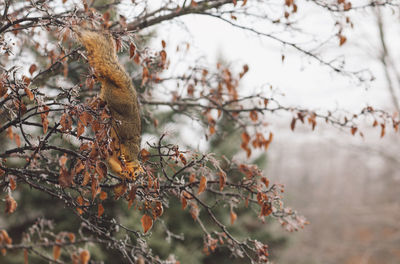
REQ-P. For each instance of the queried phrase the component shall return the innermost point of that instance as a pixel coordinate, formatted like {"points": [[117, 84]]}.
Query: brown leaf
{"points": [[103, 195], [145, 155], [342, 40], [10, 133], [184, 203], [353, 130], [56, 251], [203, 184], [84, 257], [11, 204], [233, 217], [65, 178], [293, 124], [80, 129], [100, 210], [222, 180], [253, 115], [383, 130], [245, 138], [66, 122], [120, 190], [132, 50], [13, 183], [17, 140], [265, 181], [71, 237], [163, 44], [158, 210], [32, 68], [29, 93], [147, 222], [86, 178], [101, 169], [25, 256]]}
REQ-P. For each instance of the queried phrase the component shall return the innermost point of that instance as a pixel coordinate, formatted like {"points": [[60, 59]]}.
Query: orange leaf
{"points": [[13, 183], [29, 93], [32, 68], [80, 129], [56, 251], [203, 184], [245, 138], [25, 256], [222, 180], [265, 181], [120, 190], [103, 195], [100, 210], [17, 140], [342, 40], [84, 257], [353, 130], [101, 169], [233, 217], [212, 130], [11, 204], [145, 154], [147, 222], [382, 130], [71, 237], [253, 115], [132, 50], [184, 203], [293, 124], [163, 44]]}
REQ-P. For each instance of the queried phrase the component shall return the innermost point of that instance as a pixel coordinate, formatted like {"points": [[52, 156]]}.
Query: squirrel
{"points": [[120, 96]]}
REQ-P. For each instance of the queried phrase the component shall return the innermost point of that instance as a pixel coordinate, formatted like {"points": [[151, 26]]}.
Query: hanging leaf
{"points": [[11, 204], [203, 184], [100, 210], [56, 250], [147, 223], [132, 50], [32, 68], [84, 257], [233, 217]]}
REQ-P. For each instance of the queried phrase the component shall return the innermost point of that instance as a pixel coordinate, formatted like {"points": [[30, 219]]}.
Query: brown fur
{"points": [[118, 92]]}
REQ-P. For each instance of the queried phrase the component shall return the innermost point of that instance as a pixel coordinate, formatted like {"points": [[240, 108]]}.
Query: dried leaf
{"points": [[66, 122], [132, 50], [203, 184], [25, 256], [145, 155], [120, 190], [147, 222], [29, 93], [103, 195], [13, 183], [84, 257], [11, 204], [56, 251], [353, 130], [265, 181], [100, 210], [32, 68], [245, 138], [163, 44], [293, 124], [101, 169], [184, 203], [253, 115], [233, 217], [80, 129]]}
